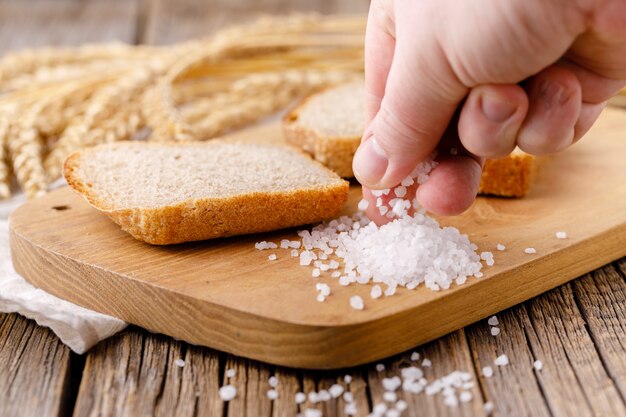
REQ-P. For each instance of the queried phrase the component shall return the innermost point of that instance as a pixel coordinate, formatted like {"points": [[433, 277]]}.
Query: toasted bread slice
{"points": [[171, 193], [329, 126]]}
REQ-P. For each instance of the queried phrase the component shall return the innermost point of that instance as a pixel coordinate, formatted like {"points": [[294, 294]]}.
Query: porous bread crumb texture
{"points": [[329, 126], [173, 193]]}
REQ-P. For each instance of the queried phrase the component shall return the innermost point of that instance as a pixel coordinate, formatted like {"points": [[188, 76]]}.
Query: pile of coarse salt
{"points": [[410, 250]]}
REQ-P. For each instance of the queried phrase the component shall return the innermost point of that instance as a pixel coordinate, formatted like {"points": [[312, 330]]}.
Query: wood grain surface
{"points": [[225, 294], [514, 390]]}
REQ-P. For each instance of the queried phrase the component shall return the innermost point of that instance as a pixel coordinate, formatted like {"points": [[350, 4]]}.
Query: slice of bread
{"points": [[329, 126], [179, 192]]}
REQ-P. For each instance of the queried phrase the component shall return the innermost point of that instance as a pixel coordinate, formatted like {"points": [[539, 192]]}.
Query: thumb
{"points": [[420, 97]]}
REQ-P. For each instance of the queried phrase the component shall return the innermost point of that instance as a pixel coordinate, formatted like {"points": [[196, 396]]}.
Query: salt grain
{"points": [[320, 298], [538, 365], [323, 395], [272, 394], [530, 251], [179, 362], [392, 412], [376, 292], [227, 392], [495, 331], [335, 390], [561, 235], [380, 367], [415, 356], [379, 408], [324, 289], [465, 396], [502, 360], [390, 397], [488, 407], [294, 253], [230, 373], [273, 381], [349, 409], [363, 205], [493, 321], [312, 412], [356, 302], [500, 247], [401, 405], [487, 371], [347, 379], [300, 397], [348, 397], [426, 363], [316, 272]]}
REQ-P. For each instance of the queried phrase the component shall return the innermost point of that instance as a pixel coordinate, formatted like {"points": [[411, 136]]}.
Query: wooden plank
{"points": [[190, 292], [513, 389], [558, 337], [38, 23], [601, 298], [167, 22], [136, 374], [251, 381], [35, 369]]}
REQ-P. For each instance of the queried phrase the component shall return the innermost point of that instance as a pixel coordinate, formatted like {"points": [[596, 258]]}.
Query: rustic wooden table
{"points": [[578, 330]]}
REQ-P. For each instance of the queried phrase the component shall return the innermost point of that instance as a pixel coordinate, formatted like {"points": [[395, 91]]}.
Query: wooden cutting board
{"points": [[229, 296]]}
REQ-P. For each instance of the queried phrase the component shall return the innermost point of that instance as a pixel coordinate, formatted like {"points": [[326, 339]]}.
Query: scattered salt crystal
{"points": [[488, 407], [324, 395], [300, 397], [495, 331], [379, 202], [348, 397], [426, 363], [538, 365], [530, 251], [230, 373], [333, 264], [465, 396], [377, 193], [344, 280], [356, 302], [335, 390], [451, 401], [380, 367], [502, 360], [295, 244], [316, 272], [347, 379], [313, 397], [324, 289], [400, 191], [493, 321], [561, 235], [321, 298], [294, 253], [284, 244], [383, 210], [272, 257], [390, 396], [335, 274], [261, 245], [500, 247], [390, 290], [487, 371], [392, 412], [401, 405], [312, 412], [376, 291], [392, 384], [363, 205], [324, 267], [273, 381], [179, 362], [272, 394], [227, 392], [415, 356], [349, 409], [379, 408]]}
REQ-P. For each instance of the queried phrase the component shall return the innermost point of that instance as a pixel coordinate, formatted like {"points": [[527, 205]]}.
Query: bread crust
{"points": [[335, 153], [510, 176], [208, 218]]}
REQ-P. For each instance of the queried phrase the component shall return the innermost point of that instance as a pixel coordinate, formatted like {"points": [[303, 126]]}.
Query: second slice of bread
{"points": [[172, 193]]}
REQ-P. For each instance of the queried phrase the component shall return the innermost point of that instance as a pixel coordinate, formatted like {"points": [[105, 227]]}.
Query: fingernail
{"points": [[552, 93], [496, 109], [370, 163]]}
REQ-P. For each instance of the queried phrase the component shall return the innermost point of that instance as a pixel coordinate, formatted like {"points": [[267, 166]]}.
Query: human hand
{"points": [[491, 74]]}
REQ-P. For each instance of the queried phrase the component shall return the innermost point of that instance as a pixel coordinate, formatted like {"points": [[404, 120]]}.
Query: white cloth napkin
{"points": [[76, 326]]}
